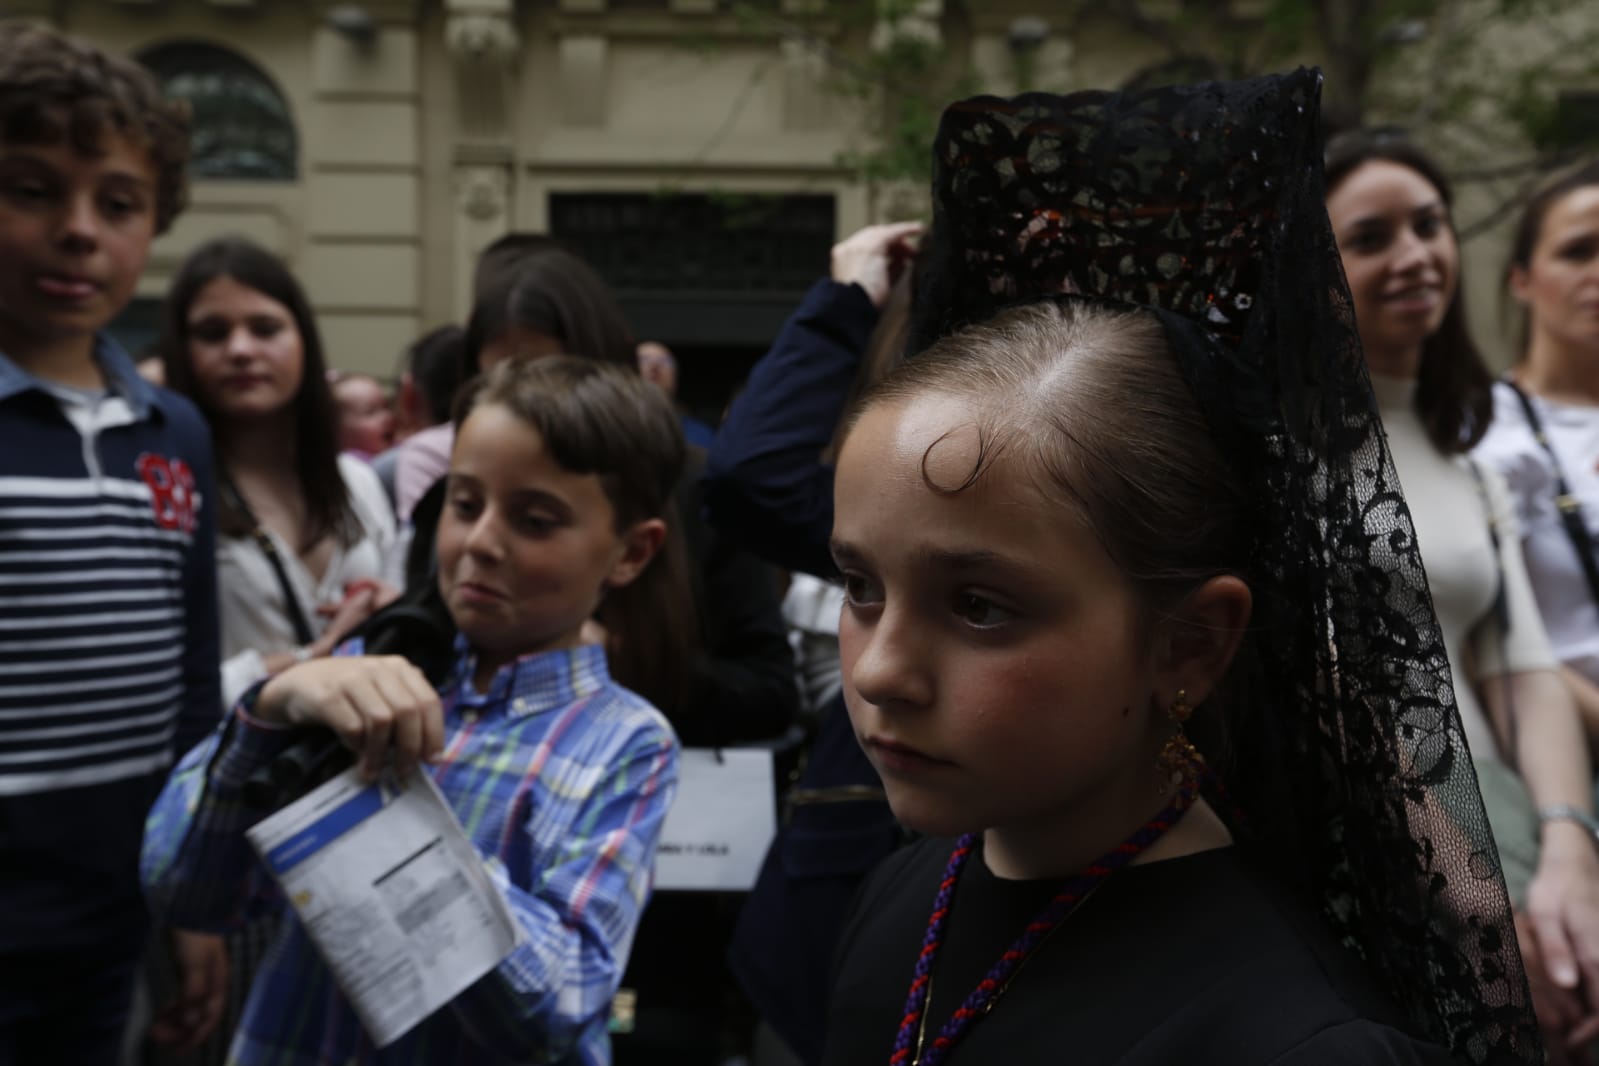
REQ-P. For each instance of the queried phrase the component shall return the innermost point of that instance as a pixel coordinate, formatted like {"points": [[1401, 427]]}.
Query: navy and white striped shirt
{"points": [[108, 640]]}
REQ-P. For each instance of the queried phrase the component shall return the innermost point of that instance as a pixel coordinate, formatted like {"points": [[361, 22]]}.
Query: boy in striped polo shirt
{"points": [[108, 642]]}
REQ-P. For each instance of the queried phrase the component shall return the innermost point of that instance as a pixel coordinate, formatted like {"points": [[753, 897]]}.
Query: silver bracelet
{"points": [[1561, 812], [303, 654]]}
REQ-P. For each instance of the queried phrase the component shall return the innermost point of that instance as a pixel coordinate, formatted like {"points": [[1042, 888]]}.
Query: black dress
{"points": [[1192, 960]]}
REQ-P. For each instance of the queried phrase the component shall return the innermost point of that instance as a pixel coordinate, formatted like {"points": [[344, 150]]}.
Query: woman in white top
{"points": [[1554, 275], [305, 533], [1389, 207]]}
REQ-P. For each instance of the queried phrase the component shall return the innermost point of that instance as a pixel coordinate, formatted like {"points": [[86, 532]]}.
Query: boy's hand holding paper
{"points": [[377, 705]]}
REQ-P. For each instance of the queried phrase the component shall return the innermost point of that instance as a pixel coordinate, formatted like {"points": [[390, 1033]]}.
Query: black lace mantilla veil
{"points": [[1205, 204]]}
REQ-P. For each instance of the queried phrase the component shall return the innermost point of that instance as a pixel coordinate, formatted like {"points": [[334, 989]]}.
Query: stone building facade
{"points": [[379, 146], [692, 154]]}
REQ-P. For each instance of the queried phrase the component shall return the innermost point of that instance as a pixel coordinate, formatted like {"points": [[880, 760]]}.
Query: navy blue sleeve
{"points": [[202, 671], [765, 483]]}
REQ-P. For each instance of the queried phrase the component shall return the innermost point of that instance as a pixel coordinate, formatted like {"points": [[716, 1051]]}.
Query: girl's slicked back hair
{"points": [[1056, 385]]}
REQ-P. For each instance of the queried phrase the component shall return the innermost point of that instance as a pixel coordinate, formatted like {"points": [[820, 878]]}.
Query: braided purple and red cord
{"points": [[1053, 913]]}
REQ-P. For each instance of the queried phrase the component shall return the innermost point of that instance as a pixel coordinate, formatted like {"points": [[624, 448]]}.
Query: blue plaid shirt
{"points": [[560, 777]]}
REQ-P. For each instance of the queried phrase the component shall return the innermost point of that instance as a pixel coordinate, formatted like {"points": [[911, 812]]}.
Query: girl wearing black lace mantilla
{"points": [[1136, 631]]}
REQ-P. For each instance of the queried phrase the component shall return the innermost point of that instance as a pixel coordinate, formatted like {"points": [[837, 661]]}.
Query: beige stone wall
{"points": [[271, 213], [363, 221], [418, 148], [462, 117], [350, 225]]}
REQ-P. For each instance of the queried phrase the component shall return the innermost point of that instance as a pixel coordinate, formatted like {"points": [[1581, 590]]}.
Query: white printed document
{"points": [[392, 893]]}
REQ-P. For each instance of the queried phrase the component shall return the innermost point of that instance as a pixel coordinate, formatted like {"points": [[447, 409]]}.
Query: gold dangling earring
{"points": [[1177, 759]]}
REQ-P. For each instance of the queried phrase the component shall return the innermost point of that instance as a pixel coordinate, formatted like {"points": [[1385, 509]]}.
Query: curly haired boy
{"points": [[108, 646]]}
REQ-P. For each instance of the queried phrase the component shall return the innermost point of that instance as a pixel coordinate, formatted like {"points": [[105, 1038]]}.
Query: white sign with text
{"points": [[720, 824]]}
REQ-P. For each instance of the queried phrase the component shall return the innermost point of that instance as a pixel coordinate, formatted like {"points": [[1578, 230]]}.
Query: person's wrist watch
{"points": [[1562, 812]]}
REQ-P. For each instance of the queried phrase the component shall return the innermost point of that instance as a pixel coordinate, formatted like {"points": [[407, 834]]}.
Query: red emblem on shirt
{"points": [[172, 494]]}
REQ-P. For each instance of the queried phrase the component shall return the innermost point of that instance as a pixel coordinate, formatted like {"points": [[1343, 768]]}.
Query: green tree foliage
{"points": [[1504, 90]]}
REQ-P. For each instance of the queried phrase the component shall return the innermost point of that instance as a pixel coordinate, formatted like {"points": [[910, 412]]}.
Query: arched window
{"points": [[242, 127]]}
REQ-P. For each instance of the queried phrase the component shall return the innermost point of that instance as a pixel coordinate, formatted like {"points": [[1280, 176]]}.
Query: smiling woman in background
{"points": [[304, 532]]}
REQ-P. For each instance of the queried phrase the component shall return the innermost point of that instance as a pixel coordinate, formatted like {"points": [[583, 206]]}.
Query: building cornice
{"points": [[675, 26], [388, 12]]}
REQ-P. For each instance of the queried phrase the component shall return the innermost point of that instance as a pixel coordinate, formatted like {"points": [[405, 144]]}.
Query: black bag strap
{"points": [[1565, 501], [297, 619]]}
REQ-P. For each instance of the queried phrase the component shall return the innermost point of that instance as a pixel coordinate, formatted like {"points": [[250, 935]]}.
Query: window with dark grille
{"points": [[732, 243], [711, 275], [242, 129]]}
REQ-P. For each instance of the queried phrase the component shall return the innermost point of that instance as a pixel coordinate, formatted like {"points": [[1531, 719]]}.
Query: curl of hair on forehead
{"points": [[606, 420], [1089, 400], [990, 445]]}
